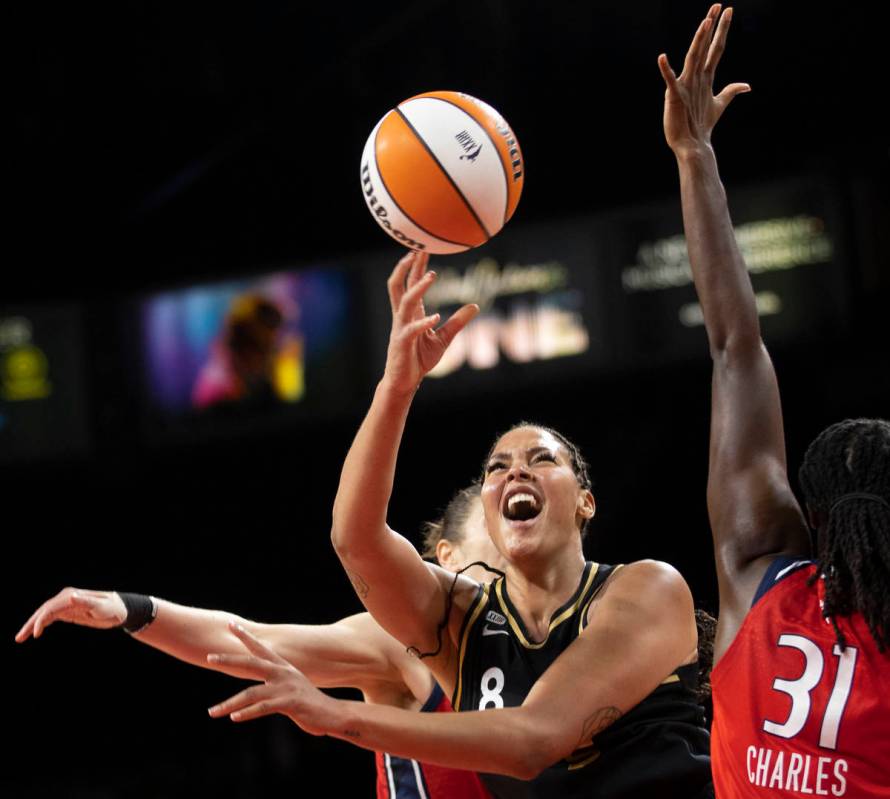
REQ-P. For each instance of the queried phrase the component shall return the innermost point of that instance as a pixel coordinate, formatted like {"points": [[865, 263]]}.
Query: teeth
{"points": [[521, 498]]}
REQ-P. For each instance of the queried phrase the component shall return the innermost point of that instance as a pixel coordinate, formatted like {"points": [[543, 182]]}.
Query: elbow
{"points": [[340, 540], [538, 751], [731, 348], [352, 544]]}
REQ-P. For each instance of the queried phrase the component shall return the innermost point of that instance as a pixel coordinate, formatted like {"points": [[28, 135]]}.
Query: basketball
{"points": [[442, 172]]}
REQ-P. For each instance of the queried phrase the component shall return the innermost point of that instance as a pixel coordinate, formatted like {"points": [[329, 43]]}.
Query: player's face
{"points": [[475, 544], [532, 500]]}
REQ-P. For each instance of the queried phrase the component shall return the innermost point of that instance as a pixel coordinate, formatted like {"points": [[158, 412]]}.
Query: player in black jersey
{"points": [[592, 695]]}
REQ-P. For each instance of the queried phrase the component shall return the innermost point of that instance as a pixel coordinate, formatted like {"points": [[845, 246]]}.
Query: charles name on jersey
{"points": [[791, 771]]}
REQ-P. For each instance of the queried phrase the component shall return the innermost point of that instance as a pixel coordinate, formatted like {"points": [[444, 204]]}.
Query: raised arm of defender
{"points": [[405, 594], [754, 515]]}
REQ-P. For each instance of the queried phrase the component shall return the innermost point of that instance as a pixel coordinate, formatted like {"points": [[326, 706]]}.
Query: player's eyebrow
{"points": [[538, 450]]}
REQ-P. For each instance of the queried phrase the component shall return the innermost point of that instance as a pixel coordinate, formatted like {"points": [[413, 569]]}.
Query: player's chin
{"points": [[522, 540]]}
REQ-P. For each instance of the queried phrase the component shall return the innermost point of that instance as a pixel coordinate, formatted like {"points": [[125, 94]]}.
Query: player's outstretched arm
{"points": [[404, 594], [354, 652], [641, 628], [754, 515]]}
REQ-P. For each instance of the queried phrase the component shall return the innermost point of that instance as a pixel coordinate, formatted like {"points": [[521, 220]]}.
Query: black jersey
{"points": [[657, 749]]}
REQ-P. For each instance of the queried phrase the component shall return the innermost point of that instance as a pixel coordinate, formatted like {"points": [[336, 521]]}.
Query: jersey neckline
{"points": [[560, 615]]}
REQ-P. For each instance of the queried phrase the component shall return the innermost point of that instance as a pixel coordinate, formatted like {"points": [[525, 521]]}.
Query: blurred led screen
{"points": [[266, 345], [790, 237], [541, 312], [42, 383], [571, 300]]}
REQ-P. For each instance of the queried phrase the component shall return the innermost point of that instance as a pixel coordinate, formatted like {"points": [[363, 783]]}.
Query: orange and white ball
{"points": [[442, 172]]}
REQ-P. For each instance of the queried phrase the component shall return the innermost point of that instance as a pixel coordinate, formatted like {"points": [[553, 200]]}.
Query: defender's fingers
{"points": [[43, 620], [28, 627], [258, 710], [245, 698], [395, 284], [700, 42], [26, 631], [718, 44], [458, 321], [667, 72], [728, 94], [256, 646]]}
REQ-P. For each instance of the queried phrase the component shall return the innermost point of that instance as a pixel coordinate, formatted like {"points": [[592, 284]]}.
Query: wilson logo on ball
{"points": [[430, 195]]}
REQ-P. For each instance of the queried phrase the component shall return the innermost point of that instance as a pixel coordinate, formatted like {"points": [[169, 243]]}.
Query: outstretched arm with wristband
{"points": [[353, 652]]}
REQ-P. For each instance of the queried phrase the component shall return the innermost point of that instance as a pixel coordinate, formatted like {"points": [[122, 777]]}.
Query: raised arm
{"points": [[754, 515], [405, 594], [354, 652], [641, 628]]}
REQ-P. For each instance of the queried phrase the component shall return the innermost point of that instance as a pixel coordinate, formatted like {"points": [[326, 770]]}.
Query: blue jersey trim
{"points": [[434, 700], [777, 571]]}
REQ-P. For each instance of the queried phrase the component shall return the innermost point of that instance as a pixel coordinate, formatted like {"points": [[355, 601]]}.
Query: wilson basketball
{"points": [[442, 172]]}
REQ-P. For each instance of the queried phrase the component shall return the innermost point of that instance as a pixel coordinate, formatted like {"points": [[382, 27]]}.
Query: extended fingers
{"points": [[396, 282], [44, 618], [409, 306], [726, 96], [49, 611], [718, 44], [246, 698], [670, 77], [421, 326], [418, 267], [699, 47], [457, 322], [28, 627]]}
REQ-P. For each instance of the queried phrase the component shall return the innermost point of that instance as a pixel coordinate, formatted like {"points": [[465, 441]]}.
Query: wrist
{"points": [[345, 721], [140, 611], [694, 153], [392, 391]]}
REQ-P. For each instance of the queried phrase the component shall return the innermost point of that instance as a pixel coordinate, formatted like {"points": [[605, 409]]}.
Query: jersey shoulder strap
{"points": [[778, 570]]}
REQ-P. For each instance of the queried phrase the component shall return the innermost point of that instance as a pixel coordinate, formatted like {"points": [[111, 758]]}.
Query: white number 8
{"points": [[491, 697]]}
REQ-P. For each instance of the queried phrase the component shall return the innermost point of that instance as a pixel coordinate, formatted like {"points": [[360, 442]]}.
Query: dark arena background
{"points": [[166, 159]]}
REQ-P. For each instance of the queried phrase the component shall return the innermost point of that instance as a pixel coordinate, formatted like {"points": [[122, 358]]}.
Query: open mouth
{"points": [[522, 506]]}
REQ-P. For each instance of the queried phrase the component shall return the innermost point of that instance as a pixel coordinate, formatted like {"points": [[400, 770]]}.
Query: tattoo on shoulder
{"points": [[597, 723], [358, 583]]}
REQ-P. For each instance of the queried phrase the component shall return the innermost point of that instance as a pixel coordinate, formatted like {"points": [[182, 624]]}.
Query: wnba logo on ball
{"points": [[471, 149]]}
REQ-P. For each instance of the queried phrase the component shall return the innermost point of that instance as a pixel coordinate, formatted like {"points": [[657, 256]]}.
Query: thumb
{"points": [[728, 94]]}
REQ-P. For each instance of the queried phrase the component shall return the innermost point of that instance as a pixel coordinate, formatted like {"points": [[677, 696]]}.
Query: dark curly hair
{"points": [[845, 477]]}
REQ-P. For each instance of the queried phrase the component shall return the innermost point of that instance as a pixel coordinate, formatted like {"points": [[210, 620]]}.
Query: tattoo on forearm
{"points": [[358, 583], [352, 733], [597, 723]]}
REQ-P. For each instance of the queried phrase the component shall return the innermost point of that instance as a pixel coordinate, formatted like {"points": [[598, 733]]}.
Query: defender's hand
{"points": [[690, 107]]}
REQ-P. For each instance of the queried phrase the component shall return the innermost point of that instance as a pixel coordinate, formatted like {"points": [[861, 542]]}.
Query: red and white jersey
{"points": [[794, 714], [400, 778]]}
